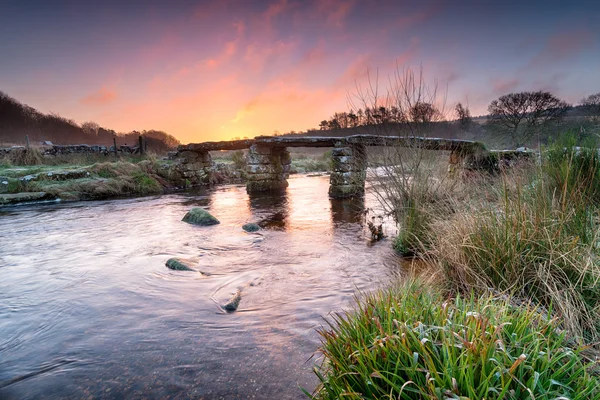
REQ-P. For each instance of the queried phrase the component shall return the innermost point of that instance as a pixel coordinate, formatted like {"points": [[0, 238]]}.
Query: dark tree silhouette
{"points": [[521, 115], [463, 116], [423, 113], [18, 120], [591, 105]]}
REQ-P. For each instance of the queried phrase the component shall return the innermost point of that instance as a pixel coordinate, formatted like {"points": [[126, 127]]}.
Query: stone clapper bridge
{"points": [[268, 161]]}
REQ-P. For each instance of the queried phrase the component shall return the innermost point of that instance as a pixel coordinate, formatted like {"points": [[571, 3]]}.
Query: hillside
{"points": [[18, 120]]}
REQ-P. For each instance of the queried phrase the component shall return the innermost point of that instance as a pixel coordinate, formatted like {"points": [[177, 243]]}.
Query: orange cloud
{"points": [[102, 97]]}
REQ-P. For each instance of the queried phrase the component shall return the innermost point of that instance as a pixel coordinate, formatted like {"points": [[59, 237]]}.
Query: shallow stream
{"points": [[89, 310]]}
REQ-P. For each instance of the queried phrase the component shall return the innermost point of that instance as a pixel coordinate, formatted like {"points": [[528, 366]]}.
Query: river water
{"points": [[89, 310]]}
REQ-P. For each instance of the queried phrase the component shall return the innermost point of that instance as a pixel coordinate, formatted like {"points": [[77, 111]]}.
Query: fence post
{"points": [[115, 144], [141, 146], [27, 141]]}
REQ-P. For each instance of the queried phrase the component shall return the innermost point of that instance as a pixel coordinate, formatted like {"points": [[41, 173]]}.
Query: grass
{"points": [[412, 342], [105, 180], [516, 254]]}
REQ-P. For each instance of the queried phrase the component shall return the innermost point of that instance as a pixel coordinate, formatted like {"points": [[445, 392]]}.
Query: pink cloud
{"points": [[335, 11], [275, 9], [101, 97], [504, 86], [561, 46]]}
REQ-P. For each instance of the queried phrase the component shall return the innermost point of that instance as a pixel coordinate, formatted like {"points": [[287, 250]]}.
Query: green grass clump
{"points": [[145, 184], [411, 342], [540, 242], [413, 237]]}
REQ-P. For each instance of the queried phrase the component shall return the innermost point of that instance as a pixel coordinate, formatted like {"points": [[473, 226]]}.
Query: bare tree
{"points": [[521, 115], [591, 105], [463, 116], [403, 177], [90, 128]]}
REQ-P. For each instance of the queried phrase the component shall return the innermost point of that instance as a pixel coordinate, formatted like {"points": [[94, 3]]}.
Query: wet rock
{"points": [[199, 216], [251, 227], [24, 197], [179, 264], [233, 303], [65, 175]]}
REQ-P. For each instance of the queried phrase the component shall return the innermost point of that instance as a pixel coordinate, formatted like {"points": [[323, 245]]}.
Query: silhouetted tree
{"points": [[90, 128], [521, 115], [18, 120], [591, 105], [463, 115], [423, 113]]}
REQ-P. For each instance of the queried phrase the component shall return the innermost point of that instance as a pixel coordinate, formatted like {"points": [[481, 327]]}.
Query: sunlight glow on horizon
{"points": [[205, 71]]}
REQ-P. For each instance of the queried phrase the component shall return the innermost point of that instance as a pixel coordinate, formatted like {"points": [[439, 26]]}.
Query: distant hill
{"points": [[18, 120]]}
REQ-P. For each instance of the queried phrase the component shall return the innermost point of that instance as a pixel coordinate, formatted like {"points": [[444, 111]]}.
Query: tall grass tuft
{"points": [[539, 242], [410, 342]]}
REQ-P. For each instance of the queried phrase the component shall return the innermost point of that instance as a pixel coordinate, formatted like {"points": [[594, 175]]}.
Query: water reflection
{"points": [[88, 308], [270, 210], [348, 211]]}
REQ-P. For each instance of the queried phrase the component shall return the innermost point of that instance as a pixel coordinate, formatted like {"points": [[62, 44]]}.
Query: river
{"points": [[89, 310]]}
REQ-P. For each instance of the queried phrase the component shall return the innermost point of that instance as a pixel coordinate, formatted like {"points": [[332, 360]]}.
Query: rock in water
{"points": [[234, 302], [251, 227], [178, 265], [199, 216]]}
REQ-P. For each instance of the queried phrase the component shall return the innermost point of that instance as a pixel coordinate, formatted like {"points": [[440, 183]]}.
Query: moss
{"points": [[178, 265], [251, 227], [199, 216], [343, 191], [145, 184]]}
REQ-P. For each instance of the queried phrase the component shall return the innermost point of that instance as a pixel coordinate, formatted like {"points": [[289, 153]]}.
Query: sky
{"points": [[214, 70]]}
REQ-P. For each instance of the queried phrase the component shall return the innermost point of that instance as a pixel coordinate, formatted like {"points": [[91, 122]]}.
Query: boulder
{"points": [[178, 264], [24, 197], [251, 227], [199, 216], [233, 303]]}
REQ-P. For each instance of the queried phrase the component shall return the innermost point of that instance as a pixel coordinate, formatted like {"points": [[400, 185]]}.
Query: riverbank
{"points": [[99, 177], [512, 300]]}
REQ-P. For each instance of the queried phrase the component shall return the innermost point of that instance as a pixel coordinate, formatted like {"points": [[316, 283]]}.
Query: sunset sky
{"points": [[212, 70]]}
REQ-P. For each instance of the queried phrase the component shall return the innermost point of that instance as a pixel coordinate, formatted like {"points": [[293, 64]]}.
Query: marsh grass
{"points": [[412, 342]]}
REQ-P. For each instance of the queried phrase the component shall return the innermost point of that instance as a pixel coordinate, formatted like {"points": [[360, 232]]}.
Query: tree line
{"points": [[518, 116], [18, 120]]}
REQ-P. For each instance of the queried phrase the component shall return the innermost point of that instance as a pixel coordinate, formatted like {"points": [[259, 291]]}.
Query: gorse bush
{"points": [[410, 342]]}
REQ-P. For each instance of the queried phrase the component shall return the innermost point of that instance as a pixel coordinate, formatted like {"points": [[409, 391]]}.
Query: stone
{"points": [[24, 197], [251, 227], [199, 216], [263, 168], [188, 156], [285, 158], [265, 186], [344, 191], [265, 150], [233, 303], [341, 151], [254, 158], [347, 178], [65, 175], [179, 264]]}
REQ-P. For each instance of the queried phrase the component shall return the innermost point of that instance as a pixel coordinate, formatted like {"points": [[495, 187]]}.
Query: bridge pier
{"points": [[268, 168], [194, 167], [349, 170]]}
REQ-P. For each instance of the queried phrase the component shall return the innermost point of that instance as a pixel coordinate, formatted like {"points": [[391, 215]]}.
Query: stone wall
{"points": [[349, 170], [268, 168]]}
